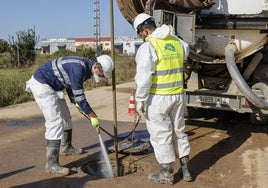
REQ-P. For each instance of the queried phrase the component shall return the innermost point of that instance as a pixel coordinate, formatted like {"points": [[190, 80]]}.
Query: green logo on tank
{"points": [[170, 47]]}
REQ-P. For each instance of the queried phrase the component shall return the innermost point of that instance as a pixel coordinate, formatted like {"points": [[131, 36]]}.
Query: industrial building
{"points": [[126, 45]]}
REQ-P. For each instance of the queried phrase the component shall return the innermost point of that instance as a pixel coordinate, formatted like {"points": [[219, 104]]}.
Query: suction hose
{"points": [[264, 89], [230, 50], [252, 65]]}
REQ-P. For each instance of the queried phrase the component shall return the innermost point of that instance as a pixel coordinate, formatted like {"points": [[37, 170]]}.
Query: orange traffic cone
{"points": [[131, 106]]}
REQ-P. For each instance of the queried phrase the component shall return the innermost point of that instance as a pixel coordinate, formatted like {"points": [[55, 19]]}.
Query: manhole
{"points": [[127, 150], [98, 169]]}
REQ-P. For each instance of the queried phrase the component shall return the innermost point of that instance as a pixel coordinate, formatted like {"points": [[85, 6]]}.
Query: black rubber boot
{"points": [[52, 165], [165, 176], [66, 145], [186, 175]]}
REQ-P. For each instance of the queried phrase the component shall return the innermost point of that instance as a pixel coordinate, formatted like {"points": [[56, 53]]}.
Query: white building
{"points": [[125, 45], [52, 45]]}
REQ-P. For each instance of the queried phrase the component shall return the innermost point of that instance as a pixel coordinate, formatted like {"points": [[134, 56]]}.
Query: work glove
{"points": [[140, 108], [95, 122]]}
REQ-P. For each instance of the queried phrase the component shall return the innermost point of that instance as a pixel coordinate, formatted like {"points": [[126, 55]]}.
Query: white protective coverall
{"points": [[54, 108], [164, 113]]}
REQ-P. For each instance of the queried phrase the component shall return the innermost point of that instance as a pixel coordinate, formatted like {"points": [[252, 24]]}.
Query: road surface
{"points": [[225, 151]]}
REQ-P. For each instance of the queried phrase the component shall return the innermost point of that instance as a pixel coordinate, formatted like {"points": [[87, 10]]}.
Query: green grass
{"points": [[13, 85], [12, 81]]}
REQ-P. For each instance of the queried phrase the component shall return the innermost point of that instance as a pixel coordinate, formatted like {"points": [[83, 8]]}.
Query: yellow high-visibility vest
{"points": [[168, 76]]}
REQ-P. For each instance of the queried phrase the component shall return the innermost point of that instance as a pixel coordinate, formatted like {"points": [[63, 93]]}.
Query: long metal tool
{"points": [[102, 129], [84, 114], [114, 86]]}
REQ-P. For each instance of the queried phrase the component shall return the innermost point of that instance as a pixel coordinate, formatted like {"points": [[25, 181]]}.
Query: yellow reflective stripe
{"points": [[167, 72], [168, 76], [167, 91], [167, 85]]}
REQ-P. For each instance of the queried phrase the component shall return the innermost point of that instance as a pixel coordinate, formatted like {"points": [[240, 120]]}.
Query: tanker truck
{"points": [[227, 68]]}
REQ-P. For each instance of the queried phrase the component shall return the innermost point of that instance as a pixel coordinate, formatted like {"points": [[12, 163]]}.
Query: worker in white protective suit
{"points": [[160, 95], [46, 85]]}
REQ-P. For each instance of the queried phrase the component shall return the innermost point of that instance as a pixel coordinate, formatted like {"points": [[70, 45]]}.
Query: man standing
{"points": [[159, 95], [46, 85]]}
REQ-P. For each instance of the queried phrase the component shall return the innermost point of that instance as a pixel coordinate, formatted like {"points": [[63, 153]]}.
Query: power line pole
{"points": [[97, 26]]}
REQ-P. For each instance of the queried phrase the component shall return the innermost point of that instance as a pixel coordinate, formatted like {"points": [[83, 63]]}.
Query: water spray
{"points": [[108, 171]]}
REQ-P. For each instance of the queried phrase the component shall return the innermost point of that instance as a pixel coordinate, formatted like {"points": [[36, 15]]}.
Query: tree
{"points": [[85, 51], [3, 45], [22, 49]]}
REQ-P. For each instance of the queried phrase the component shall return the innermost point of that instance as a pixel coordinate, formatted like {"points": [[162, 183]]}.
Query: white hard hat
{"points": [[138, 20], [107, 64]]}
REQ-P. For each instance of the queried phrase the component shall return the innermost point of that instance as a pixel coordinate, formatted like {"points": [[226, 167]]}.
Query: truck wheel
{"points": [[258, 119], [189, 112]]}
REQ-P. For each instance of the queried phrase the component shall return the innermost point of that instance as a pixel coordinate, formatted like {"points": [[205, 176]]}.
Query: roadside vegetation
{"points": [[19, 59], [12, 80]]}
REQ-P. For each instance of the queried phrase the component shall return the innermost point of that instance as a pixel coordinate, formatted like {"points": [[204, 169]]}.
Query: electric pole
{"points": [[97, 26]]}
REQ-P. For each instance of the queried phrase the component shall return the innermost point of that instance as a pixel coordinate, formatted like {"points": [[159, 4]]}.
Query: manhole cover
{"points": [[131, 146]]}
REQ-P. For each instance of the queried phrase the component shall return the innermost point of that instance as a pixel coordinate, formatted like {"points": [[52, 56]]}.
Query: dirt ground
{"points": [[226, 150]]}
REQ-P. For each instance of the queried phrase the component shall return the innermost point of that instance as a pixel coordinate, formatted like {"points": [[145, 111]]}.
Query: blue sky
{"points": [[59, 18]]}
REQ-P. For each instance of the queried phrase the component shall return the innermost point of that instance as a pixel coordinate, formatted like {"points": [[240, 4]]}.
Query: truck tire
{"points": [[189, 112], [257, 119]]}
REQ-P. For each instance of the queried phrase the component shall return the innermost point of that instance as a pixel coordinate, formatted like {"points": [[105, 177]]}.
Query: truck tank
{"points": [[228, 64]]}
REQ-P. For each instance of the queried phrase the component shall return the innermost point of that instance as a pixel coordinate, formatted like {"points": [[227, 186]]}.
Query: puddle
{"points": [[23, 123]]}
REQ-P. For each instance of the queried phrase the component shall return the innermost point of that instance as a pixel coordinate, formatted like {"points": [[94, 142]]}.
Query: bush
{"points": [[5, 60], [12, 87]]}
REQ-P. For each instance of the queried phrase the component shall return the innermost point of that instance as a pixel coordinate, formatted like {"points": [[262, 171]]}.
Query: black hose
{"points": [[239, 80], [102, 129]]}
